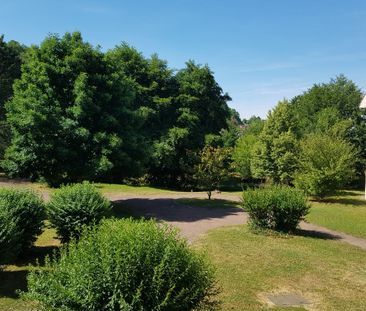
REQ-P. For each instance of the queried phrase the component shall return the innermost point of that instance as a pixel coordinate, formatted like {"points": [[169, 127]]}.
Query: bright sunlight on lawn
{"points": [[345, 213], [328, 273]]}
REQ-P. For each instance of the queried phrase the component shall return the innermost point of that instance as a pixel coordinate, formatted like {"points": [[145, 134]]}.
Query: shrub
{"points": [[327, 163], [22, 214], [9, 237], [276, 208], [124, 265], [71, 207]]}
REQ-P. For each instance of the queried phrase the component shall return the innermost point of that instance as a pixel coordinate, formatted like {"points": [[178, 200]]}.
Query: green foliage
{"points": [[333, 109], [80, 114], [199, 111], [10, 62], [21, 220], [124, 265], [326, 164], [213, 168], [242, 155], [9, 237], [72, 207], [275, 154], [340, 94], [276, 208], [72, 116]]}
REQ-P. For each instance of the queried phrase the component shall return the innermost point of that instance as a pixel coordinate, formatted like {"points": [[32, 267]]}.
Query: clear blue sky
{"points": [[261, 51]]}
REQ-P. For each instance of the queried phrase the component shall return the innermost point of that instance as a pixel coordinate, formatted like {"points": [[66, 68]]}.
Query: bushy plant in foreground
{"points": [[9, 237], [22, 214], [74, 206], [276, 208], [124, 265]]}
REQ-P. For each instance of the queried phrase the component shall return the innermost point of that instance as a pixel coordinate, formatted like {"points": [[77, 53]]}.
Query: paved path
{"points": [[194, 221]]}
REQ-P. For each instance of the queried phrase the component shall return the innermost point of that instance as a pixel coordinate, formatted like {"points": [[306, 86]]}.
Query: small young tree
{"points": [[243, 154], [213, 168], [326, 163]]}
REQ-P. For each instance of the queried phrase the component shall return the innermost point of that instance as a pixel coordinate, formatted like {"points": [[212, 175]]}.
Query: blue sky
{"points": [[261, 51]]}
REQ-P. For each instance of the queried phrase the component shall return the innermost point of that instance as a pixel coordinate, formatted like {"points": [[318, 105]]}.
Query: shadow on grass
{"points": [[122, 210], [316, 234], [346, 201], [13, 280], [213, 203], [169, 210]]}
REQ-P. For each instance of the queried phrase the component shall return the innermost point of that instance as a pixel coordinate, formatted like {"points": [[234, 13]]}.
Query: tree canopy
{"points": [[78, 113]]}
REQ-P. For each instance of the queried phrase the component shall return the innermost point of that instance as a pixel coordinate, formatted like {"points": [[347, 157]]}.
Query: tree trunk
{"points": [[209, 194]]}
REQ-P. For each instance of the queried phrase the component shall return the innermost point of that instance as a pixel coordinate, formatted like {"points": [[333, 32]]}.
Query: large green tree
{"points": [[11, 54], [326, 164], [10, 61], [275, 154], [72, 115], [199, 109]]}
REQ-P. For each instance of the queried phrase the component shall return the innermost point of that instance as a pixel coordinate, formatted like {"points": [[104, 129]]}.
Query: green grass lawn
{"points": [[345, 213], [143, 190], [329, 273], [13, 277], [103, 187]]}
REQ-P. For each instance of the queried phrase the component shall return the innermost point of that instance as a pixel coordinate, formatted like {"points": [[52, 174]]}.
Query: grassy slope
{"points": [[345, 213], [329, 273]]}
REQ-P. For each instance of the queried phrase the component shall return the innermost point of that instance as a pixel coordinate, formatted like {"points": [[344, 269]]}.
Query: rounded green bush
{"points": [[276, 208], [125, 265], [22, 215], [9, 237], [74, 206]]}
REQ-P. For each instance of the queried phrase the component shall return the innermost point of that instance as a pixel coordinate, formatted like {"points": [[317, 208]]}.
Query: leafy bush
{"points": [[277, 208], [326, 164], [9, 237], [124, 265], [22, 214], [71, 207]]}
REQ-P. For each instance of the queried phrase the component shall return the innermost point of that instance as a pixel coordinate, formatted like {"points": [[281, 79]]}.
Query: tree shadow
{"points": [[308, 233], [213, 203], [346, 201], [14, 279], [12, 282], [169, 210]]}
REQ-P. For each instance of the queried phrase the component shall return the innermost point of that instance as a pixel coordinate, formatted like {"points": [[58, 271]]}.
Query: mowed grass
{"points": [[140, 190], [329, 273], [14, 277], [345, 212], [103, 187]]}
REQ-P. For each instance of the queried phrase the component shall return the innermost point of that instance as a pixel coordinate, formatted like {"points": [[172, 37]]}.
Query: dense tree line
{"points": [[315, 140], [71, 112], [76, 112]]}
